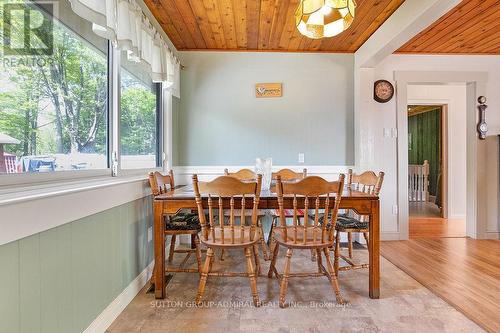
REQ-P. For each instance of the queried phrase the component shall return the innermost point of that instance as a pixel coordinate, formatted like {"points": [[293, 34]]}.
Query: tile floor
{"points": [[404, 306]]}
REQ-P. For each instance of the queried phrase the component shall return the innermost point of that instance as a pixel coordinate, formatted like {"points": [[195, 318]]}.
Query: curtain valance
{"points": [[124, 23]]}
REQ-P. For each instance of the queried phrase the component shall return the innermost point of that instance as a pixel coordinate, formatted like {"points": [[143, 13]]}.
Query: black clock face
{"points": [[383, 91]]}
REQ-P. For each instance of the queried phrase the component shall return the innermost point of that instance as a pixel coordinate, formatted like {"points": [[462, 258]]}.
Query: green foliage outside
{"points": [[61, 107], [138, 118]]}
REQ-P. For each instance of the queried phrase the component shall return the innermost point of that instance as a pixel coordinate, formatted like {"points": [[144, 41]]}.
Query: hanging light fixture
{"points": [[324, 18]]}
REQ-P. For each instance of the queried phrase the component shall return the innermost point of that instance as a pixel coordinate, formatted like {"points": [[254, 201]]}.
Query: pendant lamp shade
{"points": [[324, 18]]}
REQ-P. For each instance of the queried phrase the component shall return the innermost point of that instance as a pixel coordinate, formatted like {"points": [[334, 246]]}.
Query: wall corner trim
{"points": [[115, 308]]}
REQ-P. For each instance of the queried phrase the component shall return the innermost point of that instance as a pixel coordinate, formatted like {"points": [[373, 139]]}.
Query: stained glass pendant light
{"points": [[324, 18]]}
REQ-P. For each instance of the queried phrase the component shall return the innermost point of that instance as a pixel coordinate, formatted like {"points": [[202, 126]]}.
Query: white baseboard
{"points": [[457, 217], [492, 235], [113, 310]]}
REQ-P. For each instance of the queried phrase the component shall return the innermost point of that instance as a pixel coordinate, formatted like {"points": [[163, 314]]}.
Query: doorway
{"points": [[428, 173], [426, 155]]}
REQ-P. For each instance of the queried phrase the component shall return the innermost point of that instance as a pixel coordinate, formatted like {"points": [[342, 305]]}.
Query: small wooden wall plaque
{"points": [[266, 90]]}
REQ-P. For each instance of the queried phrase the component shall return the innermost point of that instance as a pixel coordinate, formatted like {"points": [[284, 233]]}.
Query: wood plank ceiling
{"points": [[259, 25], [472, 27], [413, 110]]}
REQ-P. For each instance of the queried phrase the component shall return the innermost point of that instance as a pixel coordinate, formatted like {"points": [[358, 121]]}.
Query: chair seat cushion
{"points": [[183, 221], [346, 222]]}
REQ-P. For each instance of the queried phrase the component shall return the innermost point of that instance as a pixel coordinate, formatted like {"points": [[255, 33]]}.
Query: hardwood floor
{"points": [[425, 221], [424, 209], [422, 227], [462, 271]]}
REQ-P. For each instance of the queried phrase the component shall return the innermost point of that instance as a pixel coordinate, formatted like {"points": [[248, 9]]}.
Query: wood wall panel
{"points": [[472, 27], [264, 25]]}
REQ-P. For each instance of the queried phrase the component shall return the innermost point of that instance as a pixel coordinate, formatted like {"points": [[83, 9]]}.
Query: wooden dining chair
{"points": [[249, 175], [215, 234], [323, 197], [351, 222], [286, 175], [242, 174], [183, 223]]}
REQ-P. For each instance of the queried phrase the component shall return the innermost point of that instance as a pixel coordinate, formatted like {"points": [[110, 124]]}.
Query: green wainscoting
{"points": [[424, 129], [60, 280]]}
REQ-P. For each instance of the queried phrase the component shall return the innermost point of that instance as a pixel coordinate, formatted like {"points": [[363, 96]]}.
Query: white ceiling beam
{"points": [[407, 21]]}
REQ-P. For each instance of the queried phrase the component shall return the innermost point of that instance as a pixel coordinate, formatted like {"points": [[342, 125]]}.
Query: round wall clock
{"points": [[383, 91]]}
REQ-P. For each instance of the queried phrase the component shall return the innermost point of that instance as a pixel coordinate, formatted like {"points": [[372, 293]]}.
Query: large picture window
{"points": [[139, 117], [54, 109], [60, 111]]}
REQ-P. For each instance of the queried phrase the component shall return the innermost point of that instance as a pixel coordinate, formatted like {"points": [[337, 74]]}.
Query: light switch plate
{"points": [[387, 132], [301, 158], [395, 209], [150, 234]]}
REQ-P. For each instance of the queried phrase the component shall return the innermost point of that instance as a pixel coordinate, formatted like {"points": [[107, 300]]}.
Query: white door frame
{"points": [[476, 86]]}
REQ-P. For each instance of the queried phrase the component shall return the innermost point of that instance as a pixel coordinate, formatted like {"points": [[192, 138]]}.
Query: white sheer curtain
{"points": [[124, 23]]}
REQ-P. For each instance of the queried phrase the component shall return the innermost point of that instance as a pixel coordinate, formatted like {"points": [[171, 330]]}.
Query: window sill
{"points": [[13, 195]]}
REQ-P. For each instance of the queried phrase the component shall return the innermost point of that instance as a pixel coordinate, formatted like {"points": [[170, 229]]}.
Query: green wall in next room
{"points": [[60, 280], [424, 129]]}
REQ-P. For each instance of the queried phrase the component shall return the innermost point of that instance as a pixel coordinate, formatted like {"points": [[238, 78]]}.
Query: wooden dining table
{"points": [[183, 197]]}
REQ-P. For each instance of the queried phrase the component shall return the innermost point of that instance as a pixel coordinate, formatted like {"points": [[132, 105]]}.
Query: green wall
{"points": [[60, 280], [175, 130], [221, 122], [425, 132]]}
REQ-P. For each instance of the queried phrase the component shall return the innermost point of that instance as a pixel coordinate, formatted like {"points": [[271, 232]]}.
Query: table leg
{"points": [[374, 246], [159, 246], [193, 241]]}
